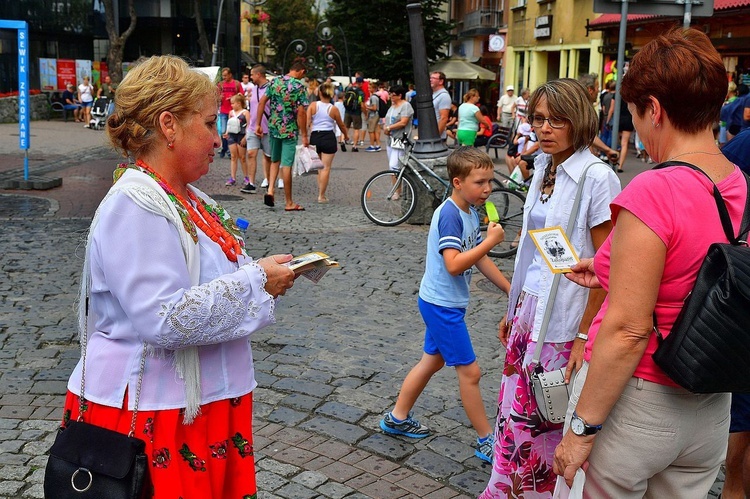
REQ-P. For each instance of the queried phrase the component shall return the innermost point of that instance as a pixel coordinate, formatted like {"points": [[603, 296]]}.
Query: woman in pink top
{"points": [[641, 433]]}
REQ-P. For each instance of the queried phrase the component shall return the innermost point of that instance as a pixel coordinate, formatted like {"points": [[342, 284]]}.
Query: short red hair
{"points": [[685, 73]]}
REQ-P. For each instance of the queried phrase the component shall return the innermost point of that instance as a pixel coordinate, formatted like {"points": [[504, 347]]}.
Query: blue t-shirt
{"points": [[451, 227], [737, 150], [736, 110]]}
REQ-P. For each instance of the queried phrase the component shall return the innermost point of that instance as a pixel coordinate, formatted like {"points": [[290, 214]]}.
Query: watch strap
{"points": [[587, 428], [582, 336]]}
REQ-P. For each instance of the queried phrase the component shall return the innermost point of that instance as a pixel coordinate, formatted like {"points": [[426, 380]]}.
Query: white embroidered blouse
{"points": [[141, 291]]}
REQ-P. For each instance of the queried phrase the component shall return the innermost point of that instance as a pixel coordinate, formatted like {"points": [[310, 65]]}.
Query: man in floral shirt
{"points": [[288, 103]]}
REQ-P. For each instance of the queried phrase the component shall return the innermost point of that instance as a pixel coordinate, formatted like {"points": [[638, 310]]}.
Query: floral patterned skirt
{"points": [[209, 459], [524, 444]]}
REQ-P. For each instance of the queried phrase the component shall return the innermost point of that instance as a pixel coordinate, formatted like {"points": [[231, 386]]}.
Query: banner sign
{"points": [[48, 74], [66, 73]]}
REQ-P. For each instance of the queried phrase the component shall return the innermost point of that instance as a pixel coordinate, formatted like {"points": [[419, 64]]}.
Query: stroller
{"points": [[99, 113]]}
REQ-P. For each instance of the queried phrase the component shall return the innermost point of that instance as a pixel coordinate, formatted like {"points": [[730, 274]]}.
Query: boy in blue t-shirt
{"points": [[454, 245]]}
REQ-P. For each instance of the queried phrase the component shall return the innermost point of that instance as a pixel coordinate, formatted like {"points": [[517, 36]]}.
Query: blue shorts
{"points": [[446, 334], [740, 420]]}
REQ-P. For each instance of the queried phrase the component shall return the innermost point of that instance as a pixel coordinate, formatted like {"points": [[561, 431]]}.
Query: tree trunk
{"points": [[202, 38], [117, 41]]}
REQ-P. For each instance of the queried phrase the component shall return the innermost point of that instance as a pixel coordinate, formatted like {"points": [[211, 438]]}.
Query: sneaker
{"points": [[264, 184], [378, 148], [280, 184], [249, 189], [355, 149], [485, 448], [409, 427], [247, 181], [361, 143], [343, 147], [371, 149], [349, 142], [231, 181]]}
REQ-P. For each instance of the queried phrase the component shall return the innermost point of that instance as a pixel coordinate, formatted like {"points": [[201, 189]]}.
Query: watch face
{"points": [[576, 426]]}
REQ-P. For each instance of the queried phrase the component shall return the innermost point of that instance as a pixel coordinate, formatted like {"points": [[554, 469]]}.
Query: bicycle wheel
{"points": [[509, 206], [386, 203]]}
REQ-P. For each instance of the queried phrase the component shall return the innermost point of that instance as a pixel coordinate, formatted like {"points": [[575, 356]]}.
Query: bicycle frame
{"points": [[406, 163]]}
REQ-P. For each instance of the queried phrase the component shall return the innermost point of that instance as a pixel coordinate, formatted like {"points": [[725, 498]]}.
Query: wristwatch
{"points": [[579, 426], [582, 336]]}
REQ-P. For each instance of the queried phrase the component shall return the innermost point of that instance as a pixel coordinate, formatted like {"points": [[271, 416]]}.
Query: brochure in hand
{"points": [[312, 265]]}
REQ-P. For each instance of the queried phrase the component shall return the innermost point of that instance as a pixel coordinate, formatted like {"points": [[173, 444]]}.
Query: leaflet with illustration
{"points": [[312, 265], [555, 248]]}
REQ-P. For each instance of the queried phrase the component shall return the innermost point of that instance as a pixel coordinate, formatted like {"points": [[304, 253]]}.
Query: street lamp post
{"points": [[300, 47], [429, 144], [216, 39], [325, 34]]}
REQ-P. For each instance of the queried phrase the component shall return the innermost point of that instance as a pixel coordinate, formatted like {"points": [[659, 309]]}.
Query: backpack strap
{"points": [[726, 221]]}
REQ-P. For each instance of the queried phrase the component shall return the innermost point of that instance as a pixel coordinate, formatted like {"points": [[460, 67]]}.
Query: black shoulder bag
{"points": [[708, 349], [88, 461]]}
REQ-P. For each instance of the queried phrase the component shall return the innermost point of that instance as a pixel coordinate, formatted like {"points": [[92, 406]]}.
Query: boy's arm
{"points": [[488, 268], [457, 261]]}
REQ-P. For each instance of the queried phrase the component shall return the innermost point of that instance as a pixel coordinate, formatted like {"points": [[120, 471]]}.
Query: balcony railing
{"points": [[479, 19]]}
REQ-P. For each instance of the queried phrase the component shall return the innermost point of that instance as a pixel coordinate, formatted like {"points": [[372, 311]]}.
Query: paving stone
{"points": [[383, 489], [286, 416], [291, 455], [472, 482], [11, 445], [310, 479], [267, 480], [442, 493], [296, 491], [34, 492], [301, 402], [11, 487], [342, 431], [376, 465], [318, 462], [14, 411], [303, 386], [387, 446], [335, 490], [278, 468], [332, 449], [340, 472], [341, 411], [419, 484], [448, 447], [433, 464], [311, 442], [291, 436], [13, 472]]}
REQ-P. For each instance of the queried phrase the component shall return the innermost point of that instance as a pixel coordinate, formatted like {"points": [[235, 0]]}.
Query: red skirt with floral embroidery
{"points": [[209, 459]]}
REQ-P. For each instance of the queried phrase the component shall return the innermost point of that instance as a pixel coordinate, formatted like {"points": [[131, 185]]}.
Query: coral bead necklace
{"points": [[205, 221]]}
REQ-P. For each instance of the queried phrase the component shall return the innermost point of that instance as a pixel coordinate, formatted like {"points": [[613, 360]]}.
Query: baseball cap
{"points": [[510, 87], [360, 79], [524, 129]]}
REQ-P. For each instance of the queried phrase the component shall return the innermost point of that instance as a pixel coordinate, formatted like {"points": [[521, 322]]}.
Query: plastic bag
{"points": [[306, 160], [562, 491]]}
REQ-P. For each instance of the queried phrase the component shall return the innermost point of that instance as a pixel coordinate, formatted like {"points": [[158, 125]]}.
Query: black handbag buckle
{"points": [[73, 480]]}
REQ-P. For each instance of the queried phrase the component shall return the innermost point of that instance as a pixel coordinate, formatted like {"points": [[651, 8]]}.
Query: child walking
{"points": [[454, 245]]}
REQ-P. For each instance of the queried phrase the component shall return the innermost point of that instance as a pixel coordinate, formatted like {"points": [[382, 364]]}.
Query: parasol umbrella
{"points": [[460, 69]]}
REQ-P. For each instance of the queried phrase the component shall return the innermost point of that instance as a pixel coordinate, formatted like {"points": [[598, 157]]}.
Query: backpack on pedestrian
{"points": [[351, 100], [383, 107]]}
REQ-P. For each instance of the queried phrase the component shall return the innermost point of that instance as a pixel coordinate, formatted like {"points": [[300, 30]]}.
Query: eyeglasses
{"points": [[537, 121]]}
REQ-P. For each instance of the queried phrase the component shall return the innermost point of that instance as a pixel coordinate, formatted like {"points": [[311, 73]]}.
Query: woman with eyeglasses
{"points": [[565, 124]]}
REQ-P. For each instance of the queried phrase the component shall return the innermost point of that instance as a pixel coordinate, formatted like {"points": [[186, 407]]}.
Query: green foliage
{"points": [[290, 20], [377, 32]]}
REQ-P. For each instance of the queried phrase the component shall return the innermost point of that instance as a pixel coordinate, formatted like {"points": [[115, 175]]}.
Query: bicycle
{"points": [[390, 197], [509, 204]]}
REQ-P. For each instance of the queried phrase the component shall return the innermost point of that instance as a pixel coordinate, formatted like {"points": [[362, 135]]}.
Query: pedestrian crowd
{"points": [[170, 296]]}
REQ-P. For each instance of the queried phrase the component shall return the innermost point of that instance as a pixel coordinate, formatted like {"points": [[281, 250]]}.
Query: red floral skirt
{"points": [[209, 459]]}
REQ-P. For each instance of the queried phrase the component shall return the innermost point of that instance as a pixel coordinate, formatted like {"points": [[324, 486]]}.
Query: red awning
{"points": [[614, 19]]}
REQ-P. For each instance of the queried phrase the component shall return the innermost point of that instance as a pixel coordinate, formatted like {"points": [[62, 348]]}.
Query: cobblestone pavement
{"points": [[327, 370]]}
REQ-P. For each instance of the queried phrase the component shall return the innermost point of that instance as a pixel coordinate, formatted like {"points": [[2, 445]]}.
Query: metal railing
{"points": [[482, 19]]}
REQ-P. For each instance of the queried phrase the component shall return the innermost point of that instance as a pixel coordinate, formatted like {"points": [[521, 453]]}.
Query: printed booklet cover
{"points": [[312, 265]]}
